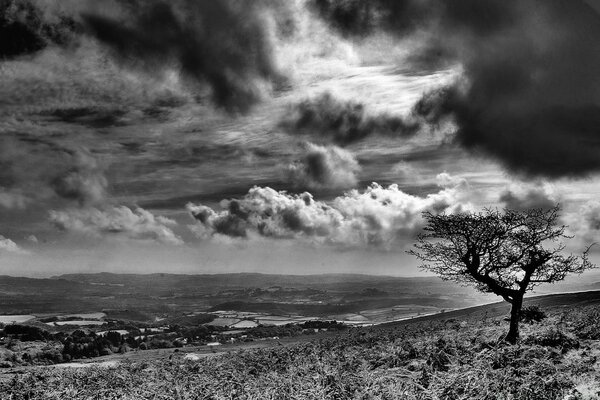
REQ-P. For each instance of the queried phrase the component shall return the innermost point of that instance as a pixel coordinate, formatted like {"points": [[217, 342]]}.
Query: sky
{"points": [[296, 137]]}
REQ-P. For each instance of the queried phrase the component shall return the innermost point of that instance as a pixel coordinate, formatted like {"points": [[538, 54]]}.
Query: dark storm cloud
{"points": [[225, 44], [532, 96], [25, 28], [363, 17], [531, 93], [344, 121]]}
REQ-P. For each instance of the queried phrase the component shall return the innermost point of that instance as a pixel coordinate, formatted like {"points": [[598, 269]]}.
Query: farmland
{"points": [[145, 300], [105, 314]]}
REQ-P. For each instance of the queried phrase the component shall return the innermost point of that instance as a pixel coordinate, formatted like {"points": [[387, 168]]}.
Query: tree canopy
{"points": [[503, 252]]}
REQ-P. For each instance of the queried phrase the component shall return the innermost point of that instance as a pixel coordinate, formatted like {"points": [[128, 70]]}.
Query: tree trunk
{"points": [[513, 333]]}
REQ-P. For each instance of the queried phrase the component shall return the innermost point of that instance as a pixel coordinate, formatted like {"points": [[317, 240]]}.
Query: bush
{"points": [[553, 338], [586, 324], [532, 314]]}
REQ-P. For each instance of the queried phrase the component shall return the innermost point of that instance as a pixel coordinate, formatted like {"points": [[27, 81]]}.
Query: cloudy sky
{"points": [[296, 136]]}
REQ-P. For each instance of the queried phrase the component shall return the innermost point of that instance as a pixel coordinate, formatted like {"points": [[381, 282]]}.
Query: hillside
{"points": [[556, 303], [455, 355]]}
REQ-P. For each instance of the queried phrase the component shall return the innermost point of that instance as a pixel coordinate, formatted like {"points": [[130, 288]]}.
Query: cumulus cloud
{"points": [[225, 44], [344, 121], [32, 239], [8, 246], [446, 180], [525, 197], [119, 221], [378, 216], [324, 167], [530, 96]]}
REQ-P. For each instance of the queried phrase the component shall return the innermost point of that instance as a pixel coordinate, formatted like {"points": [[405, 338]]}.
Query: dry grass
{"points": [[437, 360]]}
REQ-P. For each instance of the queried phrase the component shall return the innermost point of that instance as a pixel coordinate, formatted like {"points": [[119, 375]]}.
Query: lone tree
{"points": [[506, 253]]}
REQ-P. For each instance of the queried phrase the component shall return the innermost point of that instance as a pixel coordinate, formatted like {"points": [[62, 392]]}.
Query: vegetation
{"points": [[532, 314], [450, 359], [503, 253], [63, 346]]}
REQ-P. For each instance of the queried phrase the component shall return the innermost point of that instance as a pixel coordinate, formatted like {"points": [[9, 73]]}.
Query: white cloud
{"points": [[379, 216], [123, 221], [32, 239], [8, 246], [445, 180]]}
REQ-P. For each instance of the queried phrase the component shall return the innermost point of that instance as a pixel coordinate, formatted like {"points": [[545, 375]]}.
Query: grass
{"points": [[452, 359]]}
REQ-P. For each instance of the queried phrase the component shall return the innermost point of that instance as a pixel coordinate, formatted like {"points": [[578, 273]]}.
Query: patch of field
{"points": [[102, 364], [351, 318], [17, 319], [89, 316], [279, 318], [224, 321], [276, 322], [77, 323], [398, 313], [244, 325]]}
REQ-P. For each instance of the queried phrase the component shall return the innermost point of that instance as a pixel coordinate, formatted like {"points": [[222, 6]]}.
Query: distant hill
{"points": [[247, 279], [160, 295]]}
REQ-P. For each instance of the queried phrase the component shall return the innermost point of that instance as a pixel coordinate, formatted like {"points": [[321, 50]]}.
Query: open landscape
{"points": [[102, 314], [455, 355], [300, 199], [152, 298]]}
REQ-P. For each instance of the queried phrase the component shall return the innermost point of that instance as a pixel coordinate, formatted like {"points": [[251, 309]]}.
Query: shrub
{"points": [[586, 324], [553, 338], [532, 314]]}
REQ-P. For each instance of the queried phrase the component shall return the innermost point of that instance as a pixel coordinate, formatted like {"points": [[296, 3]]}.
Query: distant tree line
{"points": [[80, 344]]}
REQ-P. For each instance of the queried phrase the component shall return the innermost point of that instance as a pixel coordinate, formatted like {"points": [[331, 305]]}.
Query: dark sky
{"points": [[297, 136]]}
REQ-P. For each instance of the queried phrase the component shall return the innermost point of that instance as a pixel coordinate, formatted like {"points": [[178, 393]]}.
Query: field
{"points": [[9, 319], [456, 355]]}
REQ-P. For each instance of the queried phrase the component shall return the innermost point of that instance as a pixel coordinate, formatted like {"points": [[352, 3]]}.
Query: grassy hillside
{"points": [[452, 356]]}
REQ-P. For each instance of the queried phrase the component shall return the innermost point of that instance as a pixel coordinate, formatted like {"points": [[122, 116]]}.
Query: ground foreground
{"points": [[457, 358]]}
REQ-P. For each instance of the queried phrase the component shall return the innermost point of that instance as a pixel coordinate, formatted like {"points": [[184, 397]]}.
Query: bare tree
{"points": [[506, 253]]}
